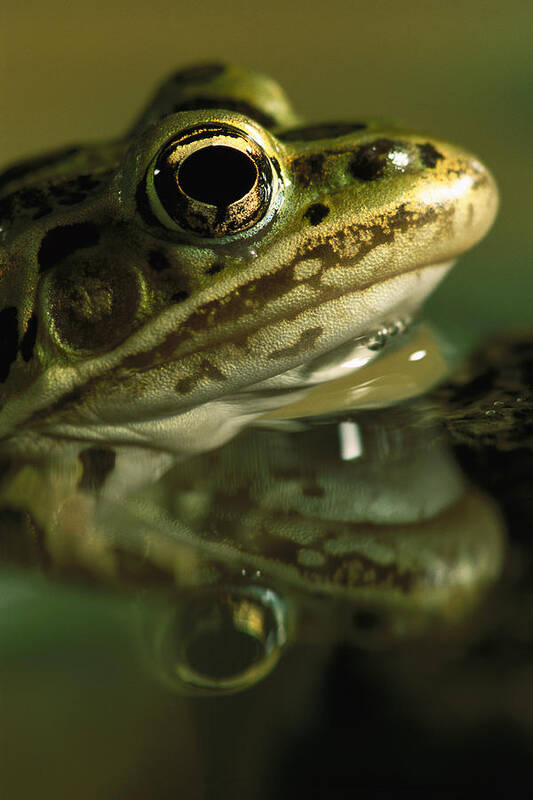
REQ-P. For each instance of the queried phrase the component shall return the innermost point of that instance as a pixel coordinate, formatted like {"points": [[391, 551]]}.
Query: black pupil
{"points": [[217, 175]]}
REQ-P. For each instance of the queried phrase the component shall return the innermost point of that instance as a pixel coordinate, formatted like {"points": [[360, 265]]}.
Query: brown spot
{"points": [[357, 571], [429, 155], [308, 169], [316, 213], [64, 240], [204, 371], [214, 269], [371, 160], [274, 547], [179, 297], [185, 385], [305, 343]]}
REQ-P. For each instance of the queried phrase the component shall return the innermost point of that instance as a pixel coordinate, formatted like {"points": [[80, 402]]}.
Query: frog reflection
{"points": [[333, 529]]}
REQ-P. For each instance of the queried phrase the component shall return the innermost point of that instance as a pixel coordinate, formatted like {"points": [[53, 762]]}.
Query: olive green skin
{"points": [[123, 323]]}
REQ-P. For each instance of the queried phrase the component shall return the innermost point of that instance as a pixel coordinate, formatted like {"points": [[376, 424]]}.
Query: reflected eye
{"points": [[213, 181]]}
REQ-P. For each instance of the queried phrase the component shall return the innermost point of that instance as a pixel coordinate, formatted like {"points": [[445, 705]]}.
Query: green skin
{"points": [[124, 323], [162, 292]]}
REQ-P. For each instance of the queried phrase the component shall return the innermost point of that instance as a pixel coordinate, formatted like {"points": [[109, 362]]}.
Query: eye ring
{"points": [[213, 181]]}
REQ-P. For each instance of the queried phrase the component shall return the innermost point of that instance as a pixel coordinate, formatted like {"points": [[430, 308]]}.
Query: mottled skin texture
{"points": [[161, 292], [116, 315]]}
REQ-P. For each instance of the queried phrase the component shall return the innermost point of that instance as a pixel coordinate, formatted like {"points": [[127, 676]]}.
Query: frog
{"points": [[159, 288], [165, 291], [359, 529]]}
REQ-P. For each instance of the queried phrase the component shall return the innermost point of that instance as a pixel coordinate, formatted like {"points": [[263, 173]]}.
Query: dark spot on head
{"points": [[370, 159], [316, 213], [64, 240], [32, 165], [185, 385], [429, 154], [199, 73], [18, 202], [158, 261], [8, 339], [97, 463], [205, 102], [330, 130], [31, 198], [178, 297], [308, 168], [215, 268], [28, 340]]}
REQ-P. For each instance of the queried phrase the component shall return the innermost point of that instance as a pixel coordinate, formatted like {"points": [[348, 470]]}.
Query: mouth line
{"points": [[70, 410], [341, 360], [170, 347], [337, 361]]}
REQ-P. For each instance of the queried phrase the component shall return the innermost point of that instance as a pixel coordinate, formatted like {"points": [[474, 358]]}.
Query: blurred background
{"points": [[79, 716], [462, 69]]}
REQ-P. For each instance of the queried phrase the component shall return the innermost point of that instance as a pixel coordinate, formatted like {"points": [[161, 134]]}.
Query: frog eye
{"points": [[213, 181]]}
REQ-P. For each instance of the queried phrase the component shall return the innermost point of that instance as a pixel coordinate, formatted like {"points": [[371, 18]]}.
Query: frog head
{"points": [[163, 288]]}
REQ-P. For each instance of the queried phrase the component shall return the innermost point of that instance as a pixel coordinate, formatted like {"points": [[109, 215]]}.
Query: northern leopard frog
{"points": [[162, 292]]}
